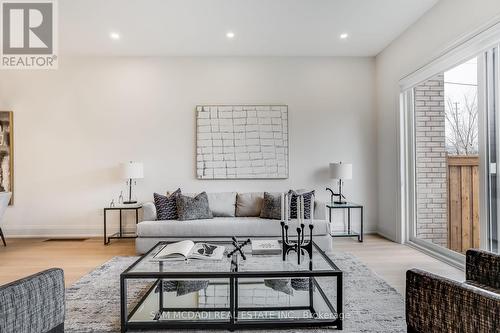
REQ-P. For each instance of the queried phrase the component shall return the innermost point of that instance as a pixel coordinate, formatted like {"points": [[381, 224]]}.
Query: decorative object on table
{"points": [[112, 203], [340, 171], [189, 208], [350, 233], [132, 171], [187, 249], [166, 205], [300, 245], [238, 247], [121, 234], [265, 246], [308, 202], [120, 198], [257, 136], [4, 202], [7, 153], [272, 206]]}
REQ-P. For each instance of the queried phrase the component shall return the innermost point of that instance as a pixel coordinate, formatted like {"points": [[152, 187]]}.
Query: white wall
{"points": [[439, 27], [75, 125]]}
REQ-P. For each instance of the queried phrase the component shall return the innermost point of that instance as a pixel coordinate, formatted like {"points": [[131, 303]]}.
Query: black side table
{"points": [[121, 234], [348, 206]]}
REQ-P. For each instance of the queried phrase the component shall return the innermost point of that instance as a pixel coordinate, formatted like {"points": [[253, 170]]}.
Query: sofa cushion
{"points": [[166, 206], [308, 198], [222, 203], [224, 227], [193, 208], [271, 206], [249, 204]]}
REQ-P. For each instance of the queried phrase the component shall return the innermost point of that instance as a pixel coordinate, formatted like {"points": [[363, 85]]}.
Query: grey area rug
{"points": [[371, 305]]}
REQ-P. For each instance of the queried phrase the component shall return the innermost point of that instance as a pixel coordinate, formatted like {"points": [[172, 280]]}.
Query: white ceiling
{"points": [[262, 27]]}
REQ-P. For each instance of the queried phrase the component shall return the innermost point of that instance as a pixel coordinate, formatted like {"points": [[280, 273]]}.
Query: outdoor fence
{"points": [[463, 202]]}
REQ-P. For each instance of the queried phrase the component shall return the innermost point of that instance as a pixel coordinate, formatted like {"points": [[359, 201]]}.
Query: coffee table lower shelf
{"points": [[233, 317]]}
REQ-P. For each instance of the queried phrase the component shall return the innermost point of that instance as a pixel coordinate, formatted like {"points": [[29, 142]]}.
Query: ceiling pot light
{"points": [[114, 36], [230, 34], [344, 35]]}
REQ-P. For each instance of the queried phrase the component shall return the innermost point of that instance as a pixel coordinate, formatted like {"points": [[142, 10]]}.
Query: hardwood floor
{"points": [[23, 257], [391, 260]]}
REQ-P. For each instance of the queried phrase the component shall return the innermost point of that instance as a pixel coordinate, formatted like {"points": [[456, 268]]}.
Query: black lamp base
{"points": [[340, 202], [129, 202]]}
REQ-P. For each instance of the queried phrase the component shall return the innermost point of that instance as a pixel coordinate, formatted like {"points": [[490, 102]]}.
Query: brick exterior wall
{"points": [[431, 165]]}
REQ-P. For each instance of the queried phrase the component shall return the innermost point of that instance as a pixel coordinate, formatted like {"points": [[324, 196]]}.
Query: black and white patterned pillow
{"points": [[308, 197], [166, 206]]}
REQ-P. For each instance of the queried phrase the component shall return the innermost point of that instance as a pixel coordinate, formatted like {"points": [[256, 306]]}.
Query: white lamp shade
{"points": [[341, 170], [132, 170]]}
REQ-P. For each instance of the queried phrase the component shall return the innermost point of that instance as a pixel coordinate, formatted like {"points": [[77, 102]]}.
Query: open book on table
{"points": [[189, 250]]}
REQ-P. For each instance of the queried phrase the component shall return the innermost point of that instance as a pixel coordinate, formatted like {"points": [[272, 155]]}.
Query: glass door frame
{"points": [[491, 99]]}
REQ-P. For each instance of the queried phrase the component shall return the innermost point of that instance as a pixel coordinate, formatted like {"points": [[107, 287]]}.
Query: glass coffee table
{"points": [[262, 291]]}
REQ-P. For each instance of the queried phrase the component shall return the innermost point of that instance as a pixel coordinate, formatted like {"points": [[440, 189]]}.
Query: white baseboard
{"points": [[382, 234]]}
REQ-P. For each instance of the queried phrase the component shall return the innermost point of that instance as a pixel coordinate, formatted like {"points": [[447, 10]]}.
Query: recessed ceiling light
{"points": [[114, 35], [230, 34], [344, 35]]}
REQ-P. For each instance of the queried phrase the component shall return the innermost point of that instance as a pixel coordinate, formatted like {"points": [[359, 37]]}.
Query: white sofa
{"points": [[151, 231]]}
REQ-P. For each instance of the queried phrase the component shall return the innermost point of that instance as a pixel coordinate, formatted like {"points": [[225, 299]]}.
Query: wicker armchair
{"points": [[34, 304], [437, 304]]}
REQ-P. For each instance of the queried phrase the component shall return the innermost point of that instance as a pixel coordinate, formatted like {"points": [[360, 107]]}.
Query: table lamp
{"points": [[340, 171], [131, 171]]}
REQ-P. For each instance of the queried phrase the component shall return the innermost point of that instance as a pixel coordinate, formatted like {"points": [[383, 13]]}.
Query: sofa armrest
{"points": [[149, 211], [483, 268], [319, 210], [33, 304], [437, 304]]}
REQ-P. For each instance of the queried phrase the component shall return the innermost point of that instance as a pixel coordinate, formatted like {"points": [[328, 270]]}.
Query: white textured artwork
{"points": [[242, 141]]}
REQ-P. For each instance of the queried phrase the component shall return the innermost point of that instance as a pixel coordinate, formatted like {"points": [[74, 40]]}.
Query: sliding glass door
{"points": [[451, 146]]}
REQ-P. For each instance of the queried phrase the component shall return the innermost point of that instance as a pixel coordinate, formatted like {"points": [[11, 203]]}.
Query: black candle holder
{"points": [[296, 246]]}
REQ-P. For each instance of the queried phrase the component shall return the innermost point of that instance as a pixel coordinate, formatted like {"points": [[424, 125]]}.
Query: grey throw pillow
{"points": [[166, 206], [271, 206], [193, 208], [222, 203]]}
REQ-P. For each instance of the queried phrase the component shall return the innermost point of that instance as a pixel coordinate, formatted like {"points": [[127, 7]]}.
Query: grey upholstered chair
{"points": [[437, 304], [34, 304], [4, 202]]}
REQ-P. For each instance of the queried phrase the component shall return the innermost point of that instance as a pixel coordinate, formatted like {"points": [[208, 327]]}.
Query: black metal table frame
{"points": [[232, 323], [350, 233], [120, 234]]}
